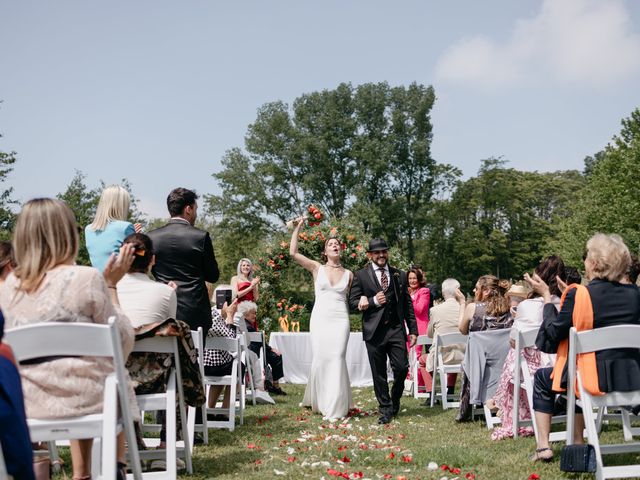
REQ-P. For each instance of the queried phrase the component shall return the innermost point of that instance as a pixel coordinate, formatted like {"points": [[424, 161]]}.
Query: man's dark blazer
{"points": [[184, 254], [366, 283]]}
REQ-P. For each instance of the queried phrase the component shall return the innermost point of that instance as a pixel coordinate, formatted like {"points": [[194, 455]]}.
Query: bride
{"points": [[328, 389]]}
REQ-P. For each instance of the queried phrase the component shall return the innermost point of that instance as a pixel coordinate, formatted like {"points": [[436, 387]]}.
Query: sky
{"points": [[157, 91]]}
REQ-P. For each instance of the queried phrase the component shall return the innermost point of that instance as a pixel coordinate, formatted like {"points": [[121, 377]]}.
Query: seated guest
{"points": [[219, 362], [528, 316], [614, 303], [151, 307], [444, 319], [144, 300], [14, 434], [516, 294], [247, 311], [489, 311], [47, 286], [244, 286]]}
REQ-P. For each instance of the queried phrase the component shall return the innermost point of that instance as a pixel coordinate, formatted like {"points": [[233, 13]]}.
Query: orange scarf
{"points": [[582, 320]]}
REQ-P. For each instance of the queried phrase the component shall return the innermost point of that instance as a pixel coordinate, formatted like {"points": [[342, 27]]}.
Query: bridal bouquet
{"points": [[314, 216]]}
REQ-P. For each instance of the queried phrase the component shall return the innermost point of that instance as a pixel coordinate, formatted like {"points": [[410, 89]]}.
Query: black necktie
{"points": [[384, 280]]}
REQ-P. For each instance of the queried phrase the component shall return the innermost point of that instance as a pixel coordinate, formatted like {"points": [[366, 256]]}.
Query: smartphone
{"points": [[223, 296]]}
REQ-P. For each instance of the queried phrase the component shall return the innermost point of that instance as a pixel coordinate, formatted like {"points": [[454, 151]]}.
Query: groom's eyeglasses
{"points": [[380, 252]]}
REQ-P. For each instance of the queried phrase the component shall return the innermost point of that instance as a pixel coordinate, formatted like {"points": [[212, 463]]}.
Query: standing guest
{"points": [[420, 297], [105, 235], [444, 319], [47, 286], [244, 285], [381, 293], [7, 261], [610, 302], [184, 254], [528, 316], [248, 321]]}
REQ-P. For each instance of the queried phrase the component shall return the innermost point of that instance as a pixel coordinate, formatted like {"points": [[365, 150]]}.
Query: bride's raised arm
{"points": [[300, 259]]}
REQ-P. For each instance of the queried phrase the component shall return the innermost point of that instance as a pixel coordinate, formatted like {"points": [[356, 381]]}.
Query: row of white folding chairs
{"points": [[238, 349], [83, 339]]}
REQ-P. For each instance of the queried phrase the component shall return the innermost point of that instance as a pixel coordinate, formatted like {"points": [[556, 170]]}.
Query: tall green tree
{"points": [[83, 201], [610, 199], [499, 222], [7, 217], [360, 152]]}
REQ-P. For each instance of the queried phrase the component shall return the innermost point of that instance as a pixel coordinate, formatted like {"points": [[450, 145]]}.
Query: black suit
{"points": [[184, 254], [383, 330]]}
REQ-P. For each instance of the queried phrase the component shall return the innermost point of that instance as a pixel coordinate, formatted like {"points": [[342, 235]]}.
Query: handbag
{"points": [[578, 458]]}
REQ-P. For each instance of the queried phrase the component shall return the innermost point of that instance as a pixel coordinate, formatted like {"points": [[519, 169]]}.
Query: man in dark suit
{"points": [[380, 293], [184, 255]]}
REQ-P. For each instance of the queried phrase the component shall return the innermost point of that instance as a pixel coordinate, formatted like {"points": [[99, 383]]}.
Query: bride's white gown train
{"points": [[329, 389]]}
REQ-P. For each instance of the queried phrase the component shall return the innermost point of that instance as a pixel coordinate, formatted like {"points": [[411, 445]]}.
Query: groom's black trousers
{"points": [[388, 341]]}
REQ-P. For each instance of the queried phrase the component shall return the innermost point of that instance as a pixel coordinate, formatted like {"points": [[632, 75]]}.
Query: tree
{"points": [[499, 222], [7, 217], [610, 199], [83, 203], [360, 152]]}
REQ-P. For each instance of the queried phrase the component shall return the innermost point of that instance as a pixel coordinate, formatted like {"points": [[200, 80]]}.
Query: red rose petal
{"points": [[534, 476], [407, 458]]}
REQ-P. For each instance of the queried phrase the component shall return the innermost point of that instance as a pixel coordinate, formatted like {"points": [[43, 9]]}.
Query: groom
{"points": [[380, 293]]}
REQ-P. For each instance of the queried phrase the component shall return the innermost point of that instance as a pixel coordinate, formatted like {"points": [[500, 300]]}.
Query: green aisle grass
{"points": [[287, 441]]}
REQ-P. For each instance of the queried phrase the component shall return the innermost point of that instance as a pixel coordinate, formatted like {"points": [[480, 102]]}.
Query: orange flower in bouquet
{"points": [[314, 216]]}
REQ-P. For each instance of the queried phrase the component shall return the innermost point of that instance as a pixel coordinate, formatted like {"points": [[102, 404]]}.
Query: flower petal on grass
{"points": [[432, 466]]}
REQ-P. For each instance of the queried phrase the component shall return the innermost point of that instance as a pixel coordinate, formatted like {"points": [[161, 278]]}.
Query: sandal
{"points": [[539, 455]]}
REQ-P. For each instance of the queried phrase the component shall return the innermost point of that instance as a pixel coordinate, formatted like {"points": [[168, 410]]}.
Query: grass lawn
{"points": [[286, 441], [289, 442]]}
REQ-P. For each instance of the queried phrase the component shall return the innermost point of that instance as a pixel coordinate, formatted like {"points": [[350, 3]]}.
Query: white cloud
{"points": [[574, 42]]}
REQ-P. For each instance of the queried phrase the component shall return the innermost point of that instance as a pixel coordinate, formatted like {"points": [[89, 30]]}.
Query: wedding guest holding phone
{"points": [[244, 284], [109, 228]]}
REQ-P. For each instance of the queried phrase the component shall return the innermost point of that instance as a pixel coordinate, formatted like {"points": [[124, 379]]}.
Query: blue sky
{"points": [[156, 91]]}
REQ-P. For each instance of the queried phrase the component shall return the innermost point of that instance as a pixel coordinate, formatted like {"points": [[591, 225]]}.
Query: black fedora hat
{"points": [[377, 244]]}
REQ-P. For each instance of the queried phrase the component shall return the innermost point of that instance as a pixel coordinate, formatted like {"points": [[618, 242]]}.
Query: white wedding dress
{"points": [[329, 389]]}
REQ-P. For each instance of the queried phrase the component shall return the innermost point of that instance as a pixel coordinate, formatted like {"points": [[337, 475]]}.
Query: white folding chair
{"points": [[619, 336], [234, 381], [258, 337], [198, 341], [522, 377], [423, 341], [441, 370], [166, 401], [50, 339]]}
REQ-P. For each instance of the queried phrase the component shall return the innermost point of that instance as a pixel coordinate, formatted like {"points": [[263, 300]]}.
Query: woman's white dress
{"points": [[329, 389]]}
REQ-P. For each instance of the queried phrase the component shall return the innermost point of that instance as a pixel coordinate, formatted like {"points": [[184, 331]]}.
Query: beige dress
{"points": [[67, 386]]}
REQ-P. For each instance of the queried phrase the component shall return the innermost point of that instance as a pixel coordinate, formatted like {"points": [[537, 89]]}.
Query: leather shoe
{"points": [[276, 391], [384, 419], [395, 409]]}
